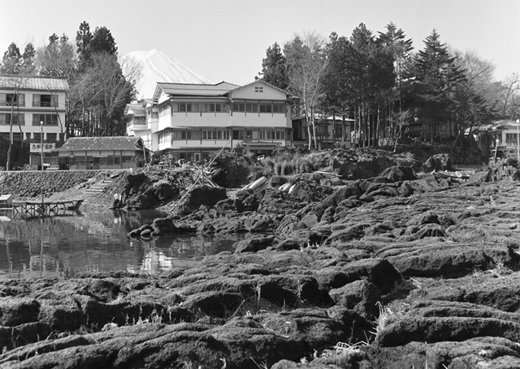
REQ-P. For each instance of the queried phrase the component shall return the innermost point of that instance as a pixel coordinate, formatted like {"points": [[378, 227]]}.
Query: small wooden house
{"points": [[83, 153]]}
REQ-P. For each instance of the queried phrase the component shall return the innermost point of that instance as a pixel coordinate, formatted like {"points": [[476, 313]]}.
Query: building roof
{"points": [[34, 83], [496, 126], [195, 90], [319, 118], [100, 143], [135, 109], [267, 84]]}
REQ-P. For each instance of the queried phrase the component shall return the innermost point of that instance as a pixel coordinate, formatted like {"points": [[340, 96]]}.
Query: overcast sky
{"points": [[227, 39]]}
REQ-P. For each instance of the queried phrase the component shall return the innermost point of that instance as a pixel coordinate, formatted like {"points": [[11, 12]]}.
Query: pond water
{"points": [[96, 242]]}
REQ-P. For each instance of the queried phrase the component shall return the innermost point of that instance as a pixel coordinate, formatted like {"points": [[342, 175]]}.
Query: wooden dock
{"points": [[33, 209]]}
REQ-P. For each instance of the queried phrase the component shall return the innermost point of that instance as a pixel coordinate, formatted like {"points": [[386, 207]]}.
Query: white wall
{"points": [[28, 110]]}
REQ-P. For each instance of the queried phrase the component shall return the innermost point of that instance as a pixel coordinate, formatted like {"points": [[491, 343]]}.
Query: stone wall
{"points": [[23, 184]]}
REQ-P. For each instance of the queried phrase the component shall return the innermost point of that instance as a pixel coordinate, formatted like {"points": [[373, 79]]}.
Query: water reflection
{"points": [[61, 246]]}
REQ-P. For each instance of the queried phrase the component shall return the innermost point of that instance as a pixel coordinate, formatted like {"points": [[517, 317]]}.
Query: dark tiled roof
{"points": [[189, 89], [34, 83], [99, 143]]}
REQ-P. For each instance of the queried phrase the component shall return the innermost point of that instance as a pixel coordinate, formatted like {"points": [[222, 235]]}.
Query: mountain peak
{"points": [[157, 66]]}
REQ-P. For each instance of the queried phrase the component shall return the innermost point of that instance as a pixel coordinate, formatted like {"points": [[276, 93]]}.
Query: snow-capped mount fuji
{"points": [[157, 66]]}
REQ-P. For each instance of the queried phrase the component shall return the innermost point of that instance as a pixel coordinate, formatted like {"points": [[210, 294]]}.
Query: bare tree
{"points": [[509, 98], [132, 69], [307, 65], [104, 92], [16, 83]]}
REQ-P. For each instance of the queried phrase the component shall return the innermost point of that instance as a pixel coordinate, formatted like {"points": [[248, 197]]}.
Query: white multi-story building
{"points": [[33, 105], [189, 121]]}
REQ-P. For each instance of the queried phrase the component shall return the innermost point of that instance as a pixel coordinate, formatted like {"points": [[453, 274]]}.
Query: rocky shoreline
{"points": [[396, 270]]}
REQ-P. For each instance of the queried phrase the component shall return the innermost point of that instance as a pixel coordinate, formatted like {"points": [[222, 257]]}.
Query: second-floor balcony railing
{"points": [[44, 104], [142, 124]]}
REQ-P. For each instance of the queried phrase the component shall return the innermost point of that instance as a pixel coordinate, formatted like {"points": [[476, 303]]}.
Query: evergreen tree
{"points": [[102, 41], [57, 59], [274, 69], [372, 77], [338, 97], [437, 75], [28, 59], [12, 60], [83, 41], [395, 42]]}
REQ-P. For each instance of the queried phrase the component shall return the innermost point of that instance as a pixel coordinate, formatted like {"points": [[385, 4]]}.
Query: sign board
{"points": [[47, 147]]}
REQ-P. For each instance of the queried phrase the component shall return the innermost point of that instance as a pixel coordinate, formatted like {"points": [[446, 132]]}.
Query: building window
{"points": [[259, 89], [185, 135], [162, 138], [51, 137], [266, 108], [215, 135], [195, 135], [45, 100], [251, 108], [272, 135], [278, 108], [236, 135], [265, 135], [164, 111], [47, 119], [12, 100], [213, 107], [280, 135], [189, 107], [185, 107], [511, 138], [139, 120], [5, 119], [239, 107]]}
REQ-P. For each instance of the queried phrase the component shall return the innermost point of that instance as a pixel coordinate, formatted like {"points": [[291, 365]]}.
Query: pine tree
{"points": [[395, 42], [12, 60], [57, 59], [339, 97], [274, 68], [83, 41], [372, 77], [437, 75], [102, 41], [28, 67]]}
